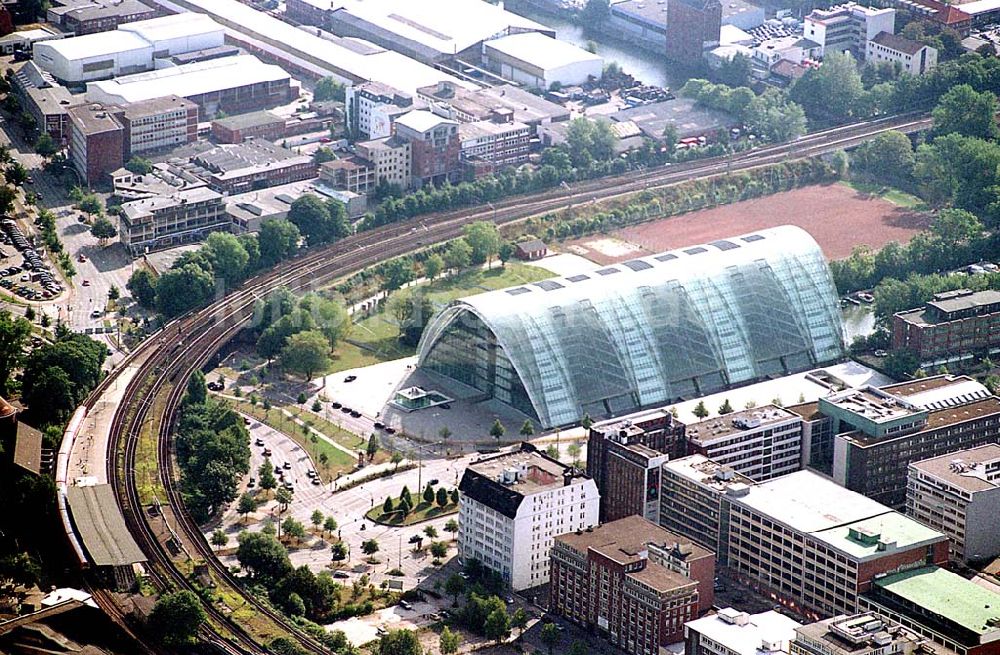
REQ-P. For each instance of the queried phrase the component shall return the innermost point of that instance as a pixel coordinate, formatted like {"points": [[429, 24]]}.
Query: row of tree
{"points": [[770, 116]]}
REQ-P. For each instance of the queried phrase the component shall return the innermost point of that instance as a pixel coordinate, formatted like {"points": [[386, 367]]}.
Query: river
{"points": [[641, 64]]}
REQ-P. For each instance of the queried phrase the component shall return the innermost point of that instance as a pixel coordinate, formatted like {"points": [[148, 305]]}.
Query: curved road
{"points": [[166, 360]]}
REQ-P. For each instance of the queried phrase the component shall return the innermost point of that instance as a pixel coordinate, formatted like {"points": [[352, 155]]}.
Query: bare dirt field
{"points": [[837, 216]]}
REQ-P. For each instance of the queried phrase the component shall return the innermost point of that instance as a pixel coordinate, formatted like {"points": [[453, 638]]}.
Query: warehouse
{"points": [[129, 49], [539, 61], [230, 84]]}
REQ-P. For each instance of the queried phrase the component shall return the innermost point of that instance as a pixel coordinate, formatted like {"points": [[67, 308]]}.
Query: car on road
{"points": [[346, 410], [286, 465], [81, 258], [267, 452], [259, 442], [350, 378], [317, 481], [86, 283], [336, 405], [433, 481], [343, 575], [355, 413], [405, 605], [95, 314]]}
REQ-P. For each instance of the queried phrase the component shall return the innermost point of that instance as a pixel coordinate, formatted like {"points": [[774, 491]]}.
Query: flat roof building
{"points": [[959, 494], [465, 106], [954, 325], [255, 163], [563, 347], [867, 633], [91, 16], [109, 545], [238, 128], [513, 505], [97, 142], [731, 632], [182, 216], [632, 581], [158, 124], [537, 60], [941, 606]]}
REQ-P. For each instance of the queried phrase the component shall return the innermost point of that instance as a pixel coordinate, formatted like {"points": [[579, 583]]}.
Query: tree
{"points": [[433, 266], [45, 145], [14, 333], [142, 286], [497, 430], [578, 648], [444, 433], [177, 617], [306, 353], [247, 504], [454, 586], [519, 621], [725, 408], [589, 140], [439, 549], [586, 422], [91, 204], [196, 392], [7, 197], [228, 256], [284, 497], [219, 538], [406, 496], [318, 222], [338, 552], [262, 556], [550, 636], [484, 239], [901, 364], [497, 626], [399, 642], [431, 532], [16, 173], [428, 494], [293, 528], [372, 446], [453, 494], [527, 428], [441, 497], [114, 293], [317, 518], [736, 71], [506, 252], [458, 255], [452, 527], [266, 475], [181, 289], [448, 642], [573, 450], [387, 505], [139, 166], [963, 110], [888, 157], [369, 547], [328, 88], [700, 410], [396, 273], [329, 525], [102, 230], [594, 13], [831, 91], [323, 155], [279, 239]]}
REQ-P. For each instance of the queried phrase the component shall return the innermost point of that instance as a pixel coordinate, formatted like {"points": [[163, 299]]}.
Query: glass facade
{"points": [[647, 332]]}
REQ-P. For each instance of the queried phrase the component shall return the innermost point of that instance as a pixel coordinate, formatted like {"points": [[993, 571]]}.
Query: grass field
{"points": [[373, 339], [424, 511], [893, 195]]}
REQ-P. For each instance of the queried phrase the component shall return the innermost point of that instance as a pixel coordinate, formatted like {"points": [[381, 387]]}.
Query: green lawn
{"points": [[422, 512], [890, 194], [373, 339]]}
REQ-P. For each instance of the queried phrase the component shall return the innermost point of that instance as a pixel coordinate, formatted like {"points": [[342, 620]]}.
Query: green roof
{"points": [[860, 539], [947, 595]]}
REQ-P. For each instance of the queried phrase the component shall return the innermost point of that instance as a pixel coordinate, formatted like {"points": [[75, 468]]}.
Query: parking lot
{"points": [[32, 279]]}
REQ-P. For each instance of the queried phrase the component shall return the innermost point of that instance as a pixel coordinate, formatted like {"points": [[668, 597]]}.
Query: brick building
{"points": [[97, 142], [237, 129], [158, 124], [253, 164], [624, 458], [435, 146], [693, 26], [632, 581], [953, 324], [90, 16]]}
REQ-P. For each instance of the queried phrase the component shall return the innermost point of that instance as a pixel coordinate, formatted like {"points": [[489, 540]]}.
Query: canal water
{"points": [[641, 64], [859, 320]]}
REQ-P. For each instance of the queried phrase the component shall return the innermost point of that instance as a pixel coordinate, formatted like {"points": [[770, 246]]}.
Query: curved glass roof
{"points": [[647, 331]]}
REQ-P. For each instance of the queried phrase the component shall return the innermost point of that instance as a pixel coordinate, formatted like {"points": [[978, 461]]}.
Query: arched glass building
{"points": [[648, 331]]}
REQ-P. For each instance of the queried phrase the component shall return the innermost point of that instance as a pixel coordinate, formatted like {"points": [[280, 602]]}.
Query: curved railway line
{"points": [[165, 360]]}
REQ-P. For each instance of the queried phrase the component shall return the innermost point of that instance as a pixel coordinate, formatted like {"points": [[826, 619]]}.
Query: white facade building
{"points": [[512, 507], [914, 57], [848, 27], [537, 60], [177, 34], [959, 494], [731, 632]]}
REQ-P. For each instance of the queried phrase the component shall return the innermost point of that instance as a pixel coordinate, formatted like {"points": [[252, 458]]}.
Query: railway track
{"points": [[167, 359]]}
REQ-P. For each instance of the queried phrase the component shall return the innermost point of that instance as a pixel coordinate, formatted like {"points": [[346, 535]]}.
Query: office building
{"points": [[182, 216], [941, 606], [237, 129], [90, 16], [913, 57], [372, 107], [539, 61], [959, 494], [867, 633], [693, 26], [811, 543], [632, 581], [253, 164], [760, 443], [43, 98], [731, 632], [879, 431], [512, 507], [389, 158], [954, 325], [435, 147], [848, 27], [350, 173], [230, 84], [490, 146], [624, 457], [96, 144], [643, 330], [457, 103], [158, 124]]}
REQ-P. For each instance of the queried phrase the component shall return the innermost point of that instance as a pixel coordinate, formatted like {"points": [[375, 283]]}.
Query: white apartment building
{"points": [[848, 27], [760, 443], [371, 108], [914, 57], [512, 507], [732, 632], [959, 494]]}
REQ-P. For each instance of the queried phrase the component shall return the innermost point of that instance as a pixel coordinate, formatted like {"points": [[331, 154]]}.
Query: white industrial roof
{"points": [[980, 7], [447, 26], [95, 45], [542, 51], [421, 120], [381, 65], [187, 80], [172, 26], [746, 639]]}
